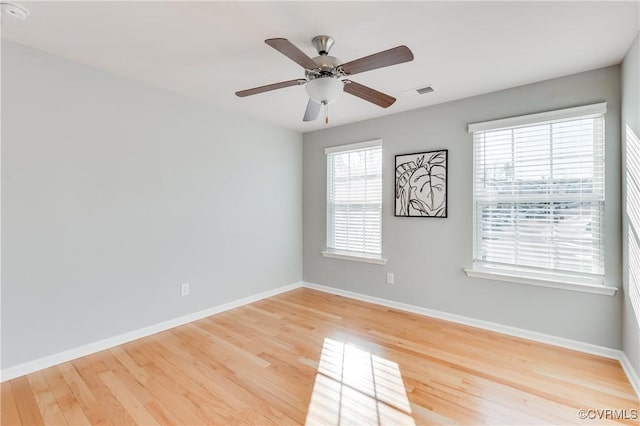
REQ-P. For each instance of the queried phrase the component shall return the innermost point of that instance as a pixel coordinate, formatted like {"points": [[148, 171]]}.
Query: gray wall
{"points": [[630, 76], [428, 255], [114, 192]]}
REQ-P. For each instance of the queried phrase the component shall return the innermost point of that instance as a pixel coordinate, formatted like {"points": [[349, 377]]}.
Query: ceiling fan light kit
{"points": [[324, 90], [323, 73]]}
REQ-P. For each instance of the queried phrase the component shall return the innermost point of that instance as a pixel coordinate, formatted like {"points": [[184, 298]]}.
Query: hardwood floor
{"points": [[324, 359]]}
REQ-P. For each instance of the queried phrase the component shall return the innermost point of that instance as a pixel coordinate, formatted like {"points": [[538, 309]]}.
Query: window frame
{"points": [[357, 256], [583, 282]]}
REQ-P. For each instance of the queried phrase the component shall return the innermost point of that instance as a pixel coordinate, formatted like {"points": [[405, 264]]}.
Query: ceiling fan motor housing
{"points": [[327, 67]]}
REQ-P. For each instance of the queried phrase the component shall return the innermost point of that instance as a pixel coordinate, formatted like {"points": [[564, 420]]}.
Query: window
{"points": [[354, 201], [539, 195], [633, 215]]}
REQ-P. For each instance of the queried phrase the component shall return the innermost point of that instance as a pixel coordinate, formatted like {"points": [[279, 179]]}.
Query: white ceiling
{"points": [[209, 50]]}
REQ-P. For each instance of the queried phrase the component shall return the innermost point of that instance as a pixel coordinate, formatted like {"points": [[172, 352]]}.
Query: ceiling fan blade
{"points": [[312, 111], [394, 56], [289, 50], [368, 94], [269, 87]]}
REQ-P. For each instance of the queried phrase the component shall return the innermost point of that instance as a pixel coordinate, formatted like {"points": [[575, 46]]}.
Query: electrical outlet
{"points": [[184, 289], [390, 277]]}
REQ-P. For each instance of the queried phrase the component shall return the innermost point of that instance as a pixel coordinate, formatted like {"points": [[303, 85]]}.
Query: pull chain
{"points": [[326, 112]]}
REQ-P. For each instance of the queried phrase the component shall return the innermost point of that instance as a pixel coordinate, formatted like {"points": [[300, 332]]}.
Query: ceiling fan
{"points": [[323, 74]]}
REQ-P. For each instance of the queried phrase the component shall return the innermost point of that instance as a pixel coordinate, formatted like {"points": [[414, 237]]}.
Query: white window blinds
{"points": [[354, 197], [539, 191], [633, 214]]}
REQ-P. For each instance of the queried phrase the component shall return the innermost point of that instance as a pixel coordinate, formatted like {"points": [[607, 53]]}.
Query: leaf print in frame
{"points": [[421, 184]]}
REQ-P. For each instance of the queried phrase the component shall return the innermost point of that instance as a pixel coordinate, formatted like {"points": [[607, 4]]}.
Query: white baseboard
{"points": [[632, 375], [84, 350], [589, 348]]}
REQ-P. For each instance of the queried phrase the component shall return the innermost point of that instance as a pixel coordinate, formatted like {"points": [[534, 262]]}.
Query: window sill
{"points": [[552, 281], [354, 256]]}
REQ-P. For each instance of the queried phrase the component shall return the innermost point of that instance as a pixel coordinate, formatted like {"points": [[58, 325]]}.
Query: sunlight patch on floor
{"points": [[354, 386]]}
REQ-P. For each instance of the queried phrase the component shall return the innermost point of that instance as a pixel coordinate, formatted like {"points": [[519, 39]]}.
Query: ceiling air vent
{"points": [[425, 89], [417, 91]]}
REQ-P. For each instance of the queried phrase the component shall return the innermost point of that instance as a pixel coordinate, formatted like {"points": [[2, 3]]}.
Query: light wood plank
{"points": [[9, 414], [134, 407], [67, 402], [26, 402], [116, 412], [86, 399], [49, 408]]}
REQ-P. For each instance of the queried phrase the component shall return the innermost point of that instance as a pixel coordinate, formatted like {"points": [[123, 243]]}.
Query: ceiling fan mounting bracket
{"points": [[323, 44]]}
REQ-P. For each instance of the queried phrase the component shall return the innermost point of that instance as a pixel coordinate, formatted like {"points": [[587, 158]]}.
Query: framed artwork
{"points": [[421, 184]]}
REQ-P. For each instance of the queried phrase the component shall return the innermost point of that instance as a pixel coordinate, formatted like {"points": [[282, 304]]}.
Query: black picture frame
{"points": [[421, 184]]}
